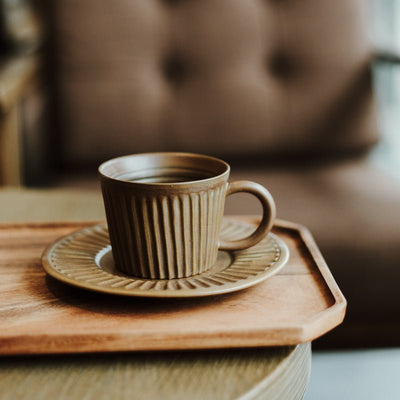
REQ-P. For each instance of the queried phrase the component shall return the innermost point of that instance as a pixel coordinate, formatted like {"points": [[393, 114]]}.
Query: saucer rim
{"points": [[228, 287]]}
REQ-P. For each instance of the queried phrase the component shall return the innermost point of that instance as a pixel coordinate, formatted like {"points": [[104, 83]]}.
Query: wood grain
{"points": [[42, 315], [277, 373]]}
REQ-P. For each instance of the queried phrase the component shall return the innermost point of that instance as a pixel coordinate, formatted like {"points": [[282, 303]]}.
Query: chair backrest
{"points": [[233, 78]]}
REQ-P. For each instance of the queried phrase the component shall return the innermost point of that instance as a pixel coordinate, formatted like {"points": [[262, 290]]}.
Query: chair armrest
{"points": [[16, 75]]}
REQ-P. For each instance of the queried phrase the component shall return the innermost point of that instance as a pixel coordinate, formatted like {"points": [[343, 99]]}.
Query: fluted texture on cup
{"points": [[164, 236]]}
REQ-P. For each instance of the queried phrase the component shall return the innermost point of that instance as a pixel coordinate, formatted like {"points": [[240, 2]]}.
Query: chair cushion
{"points": [[353, 211], [219, 77]]}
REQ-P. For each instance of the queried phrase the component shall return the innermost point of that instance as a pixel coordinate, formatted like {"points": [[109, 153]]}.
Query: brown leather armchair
{"points": [[280, 89]]}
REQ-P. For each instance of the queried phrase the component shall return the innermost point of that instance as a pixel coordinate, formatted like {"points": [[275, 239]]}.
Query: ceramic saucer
{"points": [[84, 259]]}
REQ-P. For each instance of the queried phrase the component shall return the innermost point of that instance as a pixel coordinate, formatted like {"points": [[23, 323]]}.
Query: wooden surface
{"points": [[223, 374], [50, 205], [42, 315], [278, 373]]}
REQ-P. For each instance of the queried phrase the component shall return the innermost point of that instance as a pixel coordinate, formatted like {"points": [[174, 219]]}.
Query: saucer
{"points": [[84, 259]]}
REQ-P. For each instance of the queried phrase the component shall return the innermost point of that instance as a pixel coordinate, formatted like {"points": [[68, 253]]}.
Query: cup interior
{"points": [[163, 168]]}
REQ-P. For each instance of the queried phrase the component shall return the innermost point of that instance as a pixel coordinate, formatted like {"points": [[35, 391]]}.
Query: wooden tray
{"points": [[40, 315]]}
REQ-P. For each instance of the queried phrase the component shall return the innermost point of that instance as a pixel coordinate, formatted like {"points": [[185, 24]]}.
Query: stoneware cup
{"points": [[164, 212]]}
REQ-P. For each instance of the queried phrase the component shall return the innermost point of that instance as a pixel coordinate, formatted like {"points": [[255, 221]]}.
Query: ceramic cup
{"points": [[164, 212]]}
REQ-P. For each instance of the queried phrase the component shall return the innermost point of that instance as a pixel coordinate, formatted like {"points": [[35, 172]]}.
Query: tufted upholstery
{"points": [[225, 77]]}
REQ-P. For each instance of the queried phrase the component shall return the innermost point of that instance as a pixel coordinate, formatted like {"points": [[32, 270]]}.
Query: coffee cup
{"points": [[164, 212]]}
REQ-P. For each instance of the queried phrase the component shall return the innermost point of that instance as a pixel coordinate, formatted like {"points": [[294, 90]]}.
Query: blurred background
{"points": [[301, 96], [45, 43], [384, 19], [42, 44]]}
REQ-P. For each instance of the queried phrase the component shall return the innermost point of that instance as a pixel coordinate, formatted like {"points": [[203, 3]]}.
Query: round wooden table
{"points": [[270, 373], [273, 373]]}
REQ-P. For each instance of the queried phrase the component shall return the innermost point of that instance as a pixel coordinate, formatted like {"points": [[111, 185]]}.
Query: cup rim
{"points": [[116, 160]]}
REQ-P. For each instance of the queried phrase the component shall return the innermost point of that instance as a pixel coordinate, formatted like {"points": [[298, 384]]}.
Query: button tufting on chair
{"points": [[175, 69], [171, 2], [281, 66]]}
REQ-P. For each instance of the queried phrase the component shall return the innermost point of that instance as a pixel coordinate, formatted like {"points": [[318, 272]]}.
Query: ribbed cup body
{"points": [[159, 235]]}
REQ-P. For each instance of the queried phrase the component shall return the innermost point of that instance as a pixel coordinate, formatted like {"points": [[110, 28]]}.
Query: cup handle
{"points": [[269, 211]]}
